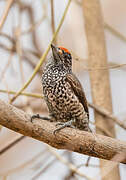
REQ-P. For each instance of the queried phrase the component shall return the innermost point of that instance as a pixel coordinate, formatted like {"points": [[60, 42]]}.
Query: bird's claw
{"points": [[63, 125], [34, 116]]}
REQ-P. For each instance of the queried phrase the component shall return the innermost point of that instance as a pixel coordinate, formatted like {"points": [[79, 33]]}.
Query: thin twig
{"points": [[23, 93], [108, 115], [19, 49], [105, 68], [6, 66], [5, 13], [53, 19], [11, 144], [114, 31]]}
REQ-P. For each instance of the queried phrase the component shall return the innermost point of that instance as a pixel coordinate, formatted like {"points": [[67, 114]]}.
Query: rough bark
{"points": [[100, 85], [71, 139]]}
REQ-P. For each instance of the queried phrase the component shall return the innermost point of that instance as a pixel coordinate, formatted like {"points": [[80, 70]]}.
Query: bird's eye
{"points": [[60, 51]]}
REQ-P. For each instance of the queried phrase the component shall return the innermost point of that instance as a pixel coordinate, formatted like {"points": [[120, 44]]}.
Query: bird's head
{"points": [[62, 56]]}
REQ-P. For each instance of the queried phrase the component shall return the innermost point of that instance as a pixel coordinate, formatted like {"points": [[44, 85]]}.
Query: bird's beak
{"points": [[55, 52], [53, 47]]}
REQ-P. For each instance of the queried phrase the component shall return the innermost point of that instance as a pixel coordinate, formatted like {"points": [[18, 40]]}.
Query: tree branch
{"points": [[74, 140]]}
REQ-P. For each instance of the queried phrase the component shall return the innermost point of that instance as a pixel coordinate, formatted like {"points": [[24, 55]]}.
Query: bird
{"points": [[63, 93]]}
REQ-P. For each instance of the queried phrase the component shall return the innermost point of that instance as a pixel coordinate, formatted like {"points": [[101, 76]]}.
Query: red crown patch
{"points": [[66, 50]]}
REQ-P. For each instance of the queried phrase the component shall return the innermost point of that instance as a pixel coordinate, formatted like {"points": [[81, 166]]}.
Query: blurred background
{"points": [[24, 36]]}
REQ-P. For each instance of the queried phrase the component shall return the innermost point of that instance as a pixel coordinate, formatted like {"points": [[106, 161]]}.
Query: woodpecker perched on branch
{"points": [[63, 92]]}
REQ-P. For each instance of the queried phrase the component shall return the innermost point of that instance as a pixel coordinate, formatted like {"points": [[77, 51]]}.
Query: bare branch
{"points": [[107, 114], [71, 139]]}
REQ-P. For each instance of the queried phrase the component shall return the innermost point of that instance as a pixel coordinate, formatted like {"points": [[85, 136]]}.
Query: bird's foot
{"points": [[63, 125], [39, 117]]}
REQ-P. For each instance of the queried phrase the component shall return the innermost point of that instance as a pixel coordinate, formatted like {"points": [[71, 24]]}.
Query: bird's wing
{"points": [[78, 90]]}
